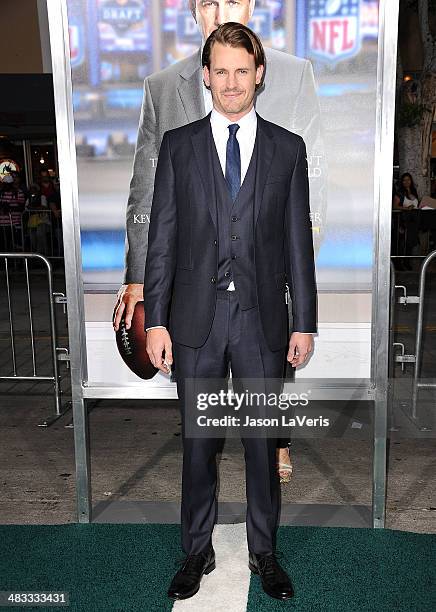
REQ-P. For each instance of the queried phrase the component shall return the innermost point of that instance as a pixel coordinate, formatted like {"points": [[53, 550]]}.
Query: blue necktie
{"points": [[233, 162]]}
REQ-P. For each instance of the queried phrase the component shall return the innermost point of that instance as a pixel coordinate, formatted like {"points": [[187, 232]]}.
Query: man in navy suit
{"points": [[229, 228]]}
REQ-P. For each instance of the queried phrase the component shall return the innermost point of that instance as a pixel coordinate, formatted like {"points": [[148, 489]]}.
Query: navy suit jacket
{"points": [[182, 258]]}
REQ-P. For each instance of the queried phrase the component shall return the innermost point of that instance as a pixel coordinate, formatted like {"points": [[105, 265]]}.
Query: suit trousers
{"points": [[236, 338]]}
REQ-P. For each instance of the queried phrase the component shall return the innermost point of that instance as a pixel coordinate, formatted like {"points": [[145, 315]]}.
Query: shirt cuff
{"points": [[155, 327]]}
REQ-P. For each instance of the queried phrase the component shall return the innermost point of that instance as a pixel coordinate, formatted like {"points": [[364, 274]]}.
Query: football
{"points": [[131, 344]]}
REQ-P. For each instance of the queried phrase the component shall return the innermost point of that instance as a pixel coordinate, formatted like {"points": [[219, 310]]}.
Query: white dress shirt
{"points": [[246, 136]]}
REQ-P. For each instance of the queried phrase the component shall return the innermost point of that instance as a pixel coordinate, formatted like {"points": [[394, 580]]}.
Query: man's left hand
{"points": [[300, 346]]}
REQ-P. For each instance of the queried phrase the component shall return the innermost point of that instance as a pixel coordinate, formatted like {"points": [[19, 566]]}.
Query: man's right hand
{"points": [[127, 297], [159, 349]]}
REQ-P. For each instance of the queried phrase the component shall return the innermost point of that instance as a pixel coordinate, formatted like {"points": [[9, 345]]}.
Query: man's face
{"points": [[212, 13], [232, 79]]}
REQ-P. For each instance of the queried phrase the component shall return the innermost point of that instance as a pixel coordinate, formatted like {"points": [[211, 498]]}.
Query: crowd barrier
{"points": [[44, 236], [416, 357], [56, 353]]}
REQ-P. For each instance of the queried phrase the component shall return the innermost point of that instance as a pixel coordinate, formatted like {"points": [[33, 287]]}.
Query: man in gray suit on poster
{"points": [[177, 95]]}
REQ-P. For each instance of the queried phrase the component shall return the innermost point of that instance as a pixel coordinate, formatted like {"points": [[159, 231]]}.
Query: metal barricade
{"points": [[57, 353], [417, 383], [415, 358], [27, 236], [392, 344]]}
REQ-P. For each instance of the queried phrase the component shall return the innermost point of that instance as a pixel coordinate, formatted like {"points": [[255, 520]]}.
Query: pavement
{"points": [[136, 447]]}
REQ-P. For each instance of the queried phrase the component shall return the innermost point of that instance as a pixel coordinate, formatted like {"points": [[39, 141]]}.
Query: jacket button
{"points": [[233, 256], [227, 274], [213, 279], [215, 242], [234, 218], [234, 237]]}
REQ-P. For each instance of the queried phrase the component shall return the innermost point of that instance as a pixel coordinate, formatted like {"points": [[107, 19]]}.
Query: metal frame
{"points": [[376, 389], [60, 48], [383, 175]]}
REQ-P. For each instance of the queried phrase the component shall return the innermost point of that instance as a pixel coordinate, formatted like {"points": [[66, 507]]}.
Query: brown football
{"points": [[131, 344]]}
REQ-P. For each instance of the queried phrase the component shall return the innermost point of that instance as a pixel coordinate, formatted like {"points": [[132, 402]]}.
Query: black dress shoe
{"points": [[275, 581], [187, 580]]}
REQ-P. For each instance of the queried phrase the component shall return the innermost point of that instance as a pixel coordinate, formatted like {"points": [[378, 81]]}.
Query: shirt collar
{"points": [[219, 121]]}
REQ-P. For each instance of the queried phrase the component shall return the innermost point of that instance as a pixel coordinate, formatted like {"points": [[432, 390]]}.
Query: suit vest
{"points": [[236, 233]]}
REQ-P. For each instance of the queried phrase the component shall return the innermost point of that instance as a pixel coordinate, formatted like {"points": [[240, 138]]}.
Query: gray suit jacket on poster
{"points": [[173, 97]]}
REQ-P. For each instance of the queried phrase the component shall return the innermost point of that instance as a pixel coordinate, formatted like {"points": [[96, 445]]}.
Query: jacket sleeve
{"points": [[141, 191], [162, 235], [299, 258]]}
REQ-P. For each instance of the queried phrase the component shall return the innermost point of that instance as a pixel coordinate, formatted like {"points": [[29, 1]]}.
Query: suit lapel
{"points": [[201, 139], [265, 153], [189, 89]]}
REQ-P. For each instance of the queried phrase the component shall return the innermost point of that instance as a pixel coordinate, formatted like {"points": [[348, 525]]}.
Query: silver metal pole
{"points": [[11, 320], [48, 378], [29, 304], [384, 139], [53, 336], [27, 162], [60, 52]]}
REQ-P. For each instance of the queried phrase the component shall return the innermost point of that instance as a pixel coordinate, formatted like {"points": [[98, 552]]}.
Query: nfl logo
{"points": [[334, 29]]}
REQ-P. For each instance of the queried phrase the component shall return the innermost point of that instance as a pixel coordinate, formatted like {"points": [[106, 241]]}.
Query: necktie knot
{"points": [[233, 128]]}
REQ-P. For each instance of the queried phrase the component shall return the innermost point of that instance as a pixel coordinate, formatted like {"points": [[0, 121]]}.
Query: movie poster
{"points": [[325, 52]]}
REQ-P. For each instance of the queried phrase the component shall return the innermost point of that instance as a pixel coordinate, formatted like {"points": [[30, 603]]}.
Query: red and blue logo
{"points": [[333, 29]]}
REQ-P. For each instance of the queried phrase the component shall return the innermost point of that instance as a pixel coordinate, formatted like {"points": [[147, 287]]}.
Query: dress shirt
{"points": [[246, 136]]}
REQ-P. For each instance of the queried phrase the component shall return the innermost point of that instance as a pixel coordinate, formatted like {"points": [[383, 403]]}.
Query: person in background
{"points": [[407, 195], [46, 184], [406, 199], [54, 203], [20, 184], [38, 222], [12, 202]]}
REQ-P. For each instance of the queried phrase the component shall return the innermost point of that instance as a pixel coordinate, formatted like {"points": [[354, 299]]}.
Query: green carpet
{"points": [[350, 569], [114, 567], [103, 566]]}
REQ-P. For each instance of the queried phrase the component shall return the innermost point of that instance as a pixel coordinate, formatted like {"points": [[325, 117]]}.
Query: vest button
{"points": [[215, 242], [213, 279], [227, 274], [234, 237], [234, 218], [233, 256]]}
